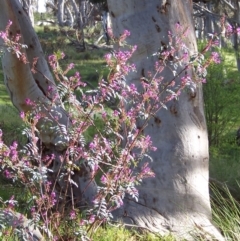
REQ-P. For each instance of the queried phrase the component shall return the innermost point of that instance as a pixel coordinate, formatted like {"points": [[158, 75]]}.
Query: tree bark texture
{"points": [[20, 81], [60, 13], [236, 38], [177, 199]]}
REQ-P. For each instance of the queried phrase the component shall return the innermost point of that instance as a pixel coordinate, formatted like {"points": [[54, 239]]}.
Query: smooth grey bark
{"points": [[82, 10], [76, 11], [208, 22], [236, 38], [177, 199], [28, 7], [60, 13], [70, 17], [200, 28]]}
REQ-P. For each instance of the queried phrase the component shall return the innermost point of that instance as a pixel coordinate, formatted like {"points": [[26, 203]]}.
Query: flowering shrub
{"points": [[116, 157], [13, 45]]}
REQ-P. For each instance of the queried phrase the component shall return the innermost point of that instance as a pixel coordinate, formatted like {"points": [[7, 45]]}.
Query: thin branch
{"points": [[206, 11], [228, 4]]}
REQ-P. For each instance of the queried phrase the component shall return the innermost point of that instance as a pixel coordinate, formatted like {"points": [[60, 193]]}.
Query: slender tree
{"points": [[29, 8], [236, 38]]}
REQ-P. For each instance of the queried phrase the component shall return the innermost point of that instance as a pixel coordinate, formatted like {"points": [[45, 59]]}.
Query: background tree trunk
{"points": [[208, 22], [236, 37], [177, 200], [29, 8], [60, 13]]}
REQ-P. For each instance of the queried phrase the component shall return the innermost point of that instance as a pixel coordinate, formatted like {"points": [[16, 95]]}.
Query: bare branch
{"points": [[205, 11], [228, 4]]}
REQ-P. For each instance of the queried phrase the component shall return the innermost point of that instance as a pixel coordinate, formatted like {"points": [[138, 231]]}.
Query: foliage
{"points": [[109, 154], [220, 98], [227, 217], [225, 167], [111, 233], [116, 154], [11, 125], [91, 62]]}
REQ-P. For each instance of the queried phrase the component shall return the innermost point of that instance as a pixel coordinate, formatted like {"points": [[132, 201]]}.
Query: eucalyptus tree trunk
{"points": [[200, 28], [24, 84], [83, 11], [236, 37], [60, 13], [76, 12], [28, 7], [208, 25], [177, 199], [70, 17]]}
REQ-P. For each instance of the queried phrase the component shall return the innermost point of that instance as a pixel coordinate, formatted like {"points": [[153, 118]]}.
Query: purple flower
{"points": [[82, 222], [108, 57], [153, 148], [185, 80], [62, 55], [103, 179], [185, 55], [33, 210], [115, 113], [126, 32], [229, 29], [133, 89], [238, 30], [14, 145], [7, 174], [37, 116], [215, 43], [11, 202], [146, 171], [3, 35], [71, 66], [77, 75], [104, 115], [53, 198], [50, 88], [28, 101], [72, 214], [215, 58], [92, 219], [22, 115], [92, 145], [134, 48], [52, 58]]}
